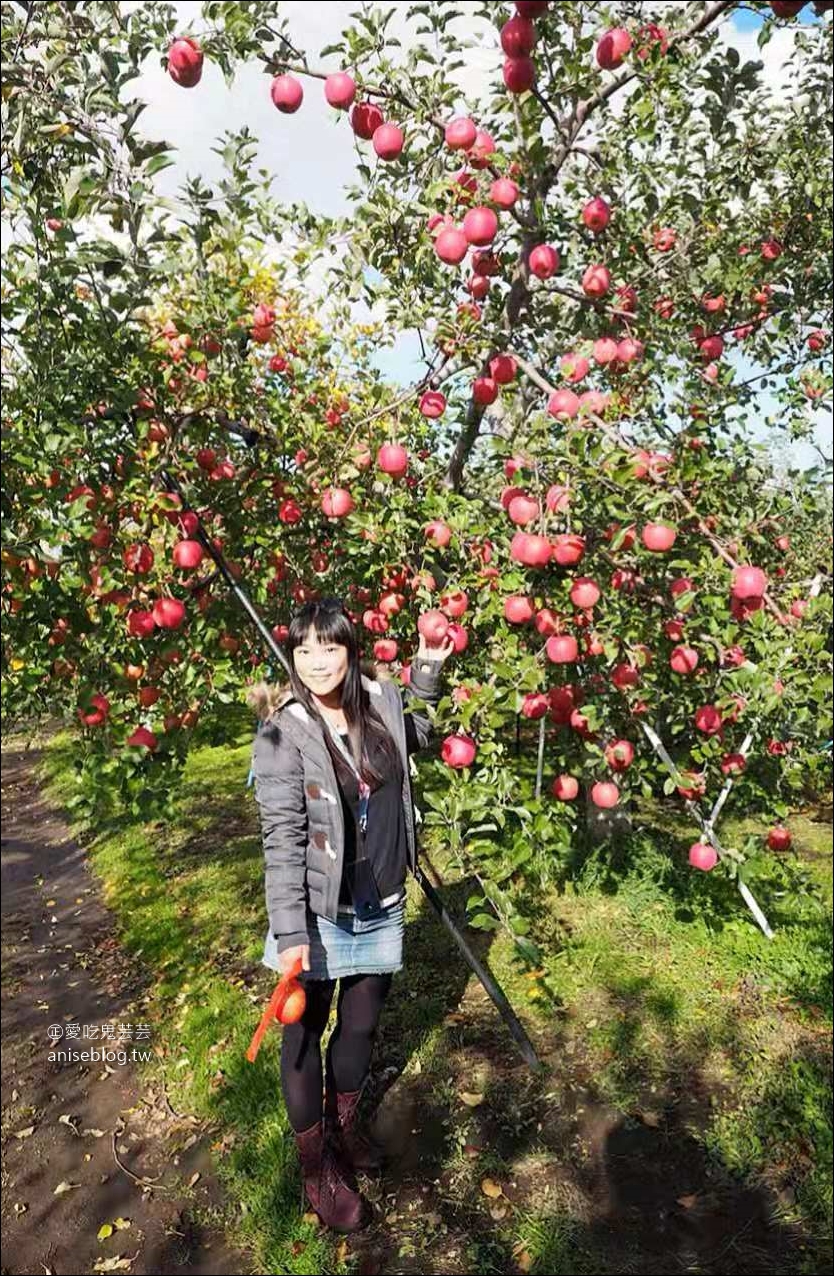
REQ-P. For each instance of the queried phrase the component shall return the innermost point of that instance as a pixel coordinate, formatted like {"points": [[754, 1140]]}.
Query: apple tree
{"points": [[610, 238]]}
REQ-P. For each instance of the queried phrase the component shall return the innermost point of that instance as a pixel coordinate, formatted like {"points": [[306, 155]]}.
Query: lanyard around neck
{"points": [[364, 788]]}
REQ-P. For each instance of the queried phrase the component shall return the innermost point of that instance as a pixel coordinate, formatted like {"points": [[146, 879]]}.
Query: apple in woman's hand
{"points": [[438, 652]]}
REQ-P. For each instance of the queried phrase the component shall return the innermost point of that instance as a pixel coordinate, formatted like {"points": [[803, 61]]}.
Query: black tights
{"points": [[361, 998]]}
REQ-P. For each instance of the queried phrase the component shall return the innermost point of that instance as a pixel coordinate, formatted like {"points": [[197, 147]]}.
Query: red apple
{"points": [[460, 133], [779, 838], [503, 369], [684, 660], [664, 241], [392, 459], [148, 696], [624, 676], [562, 649], [168, 613], [518, 37], [337, 502], [138, 559], [630, 350], [658, 537], [565, 788], [787, 8], [518, 609], [568, 549], [613, 48], [703, 856], [733, 764], [484, 148], [563, 405], [388, 141], [708, 720], [524, 509], [606, 350], [532, 8], [504, 192], [558, 498], [620, 755], [574, 367], [365, 119], [712, 347], [696, 787], [459, 751], [480, 226], [533, 551], [94, 711], [455, 603], [749, 582], [438, 534], [548, 622], [544, 261], [340, 90], [585, 593], [287, 93], [385, 649], [188, 555], [519, 74], [596, 281], [142, 738], [451, 246], [605, 795], [433, 625], [596, 214], [432, 404], [484, 391], [185, 62]]}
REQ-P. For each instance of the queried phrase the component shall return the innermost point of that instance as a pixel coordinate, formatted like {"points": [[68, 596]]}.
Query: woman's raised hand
{"points": [[438, 652]]}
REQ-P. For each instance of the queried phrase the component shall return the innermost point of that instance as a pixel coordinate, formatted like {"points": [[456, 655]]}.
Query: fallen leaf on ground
{"points": [[499, 1211], [688, 1201], [24, 1134], [64, 1186], [492, 1189], [472, 1100]]}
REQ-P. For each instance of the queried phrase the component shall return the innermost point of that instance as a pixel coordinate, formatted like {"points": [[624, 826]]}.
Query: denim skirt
{"points": [[350, 946]]}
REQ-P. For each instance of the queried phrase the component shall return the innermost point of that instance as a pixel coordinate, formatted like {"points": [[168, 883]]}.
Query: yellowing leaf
{"points": [[492, 1189], [64, 1186], [688, 1201], [105, 1231], [121, 1224], [24, 1134], [472, 1100]]}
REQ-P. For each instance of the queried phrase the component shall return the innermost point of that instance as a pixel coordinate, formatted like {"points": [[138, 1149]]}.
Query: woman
{"points": [[330, 763]]}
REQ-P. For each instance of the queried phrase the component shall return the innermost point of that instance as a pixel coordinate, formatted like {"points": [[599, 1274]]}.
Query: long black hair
{"points": [[367, 732]]}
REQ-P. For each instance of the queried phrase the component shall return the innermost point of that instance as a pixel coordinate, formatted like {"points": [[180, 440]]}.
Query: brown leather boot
{"points": [[338, 1204], [358, 1148]]}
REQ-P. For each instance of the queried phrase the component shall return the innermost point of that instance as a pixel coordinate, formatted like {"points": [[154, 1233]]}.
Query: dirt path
{"points": [[67, 1124]]}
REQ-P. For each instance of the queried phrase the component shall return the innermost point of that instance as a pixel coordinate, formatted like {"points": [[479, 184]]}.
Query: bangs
{"points": [[330, 626]]}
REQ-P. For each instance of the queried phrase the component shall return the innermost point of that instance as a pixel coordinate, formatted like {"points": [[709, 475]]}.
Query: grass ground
{"points": [[684, 1116]]}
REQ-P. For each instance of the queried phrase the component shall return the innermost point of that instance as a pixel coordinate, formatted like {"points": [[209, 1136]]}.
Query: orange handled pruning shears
{"points": [[286, 984]]}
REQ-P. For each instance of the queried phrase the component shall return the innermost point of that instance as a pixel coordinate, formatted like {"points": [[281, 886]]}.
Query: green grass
{"points": [[656, 991]]}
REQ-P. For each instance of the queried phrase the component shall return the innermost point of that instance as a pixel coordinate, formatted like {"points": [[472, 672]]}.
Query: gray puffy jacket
{"points": [[302, 821]]}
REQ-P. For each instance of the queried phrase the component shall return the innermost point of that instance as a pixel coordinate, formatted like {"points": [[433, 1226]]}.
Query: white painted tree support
{"points": [[706, 825]]}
